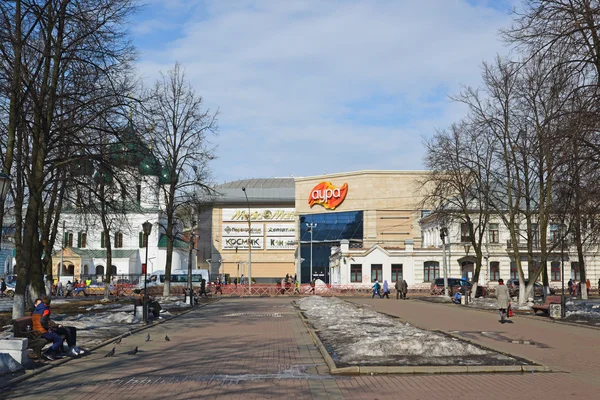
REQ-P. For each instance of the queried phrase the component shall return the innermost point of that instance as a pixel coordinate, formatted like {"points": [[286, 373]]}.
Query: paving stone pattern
{"points": [[259, 349]]}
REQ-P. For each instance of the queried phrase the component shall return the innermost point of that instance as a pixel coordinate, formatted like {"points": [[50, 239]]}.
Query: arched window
{"points": [[99, 270], [431, 270], [85, 269], [118, 240], [113, 270]]}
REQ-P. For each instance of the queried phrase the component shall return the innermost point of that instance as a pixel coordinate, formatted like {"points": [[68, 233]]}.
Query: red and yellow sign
{"points": [[327, 195]]}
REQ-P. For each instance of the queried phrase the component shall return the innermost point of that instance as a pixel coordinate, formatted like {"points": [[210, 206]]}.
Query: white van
{"points": [[179, 277]]}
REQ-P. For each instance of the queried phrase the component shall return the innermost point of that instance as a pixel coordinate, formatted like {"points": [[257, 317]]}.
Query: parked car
{"points": [[538, 288], [437, 286]]}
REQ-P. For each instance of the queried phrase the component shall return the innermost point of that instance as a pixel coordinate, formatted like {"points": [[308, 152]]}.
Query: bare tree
{"points": [[54, 47], [181, 127], [460, 160]]}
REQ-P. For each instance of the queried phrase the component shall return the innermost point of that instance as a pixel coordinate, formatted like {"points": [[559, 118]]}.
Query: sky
{"points": [[312, 87]]}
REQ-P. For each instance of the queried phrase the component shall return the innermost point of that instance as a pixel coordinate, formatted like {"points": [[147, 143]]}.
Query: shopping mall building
{"points": [[347, 228]]}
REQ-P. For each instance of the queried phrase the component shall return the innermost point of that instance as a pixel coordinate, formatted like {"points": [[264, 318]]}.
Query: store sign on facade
{"points": [[281, 230], [281, 243], [242, 229], [327, 195], [231, 243], [259, 214]]}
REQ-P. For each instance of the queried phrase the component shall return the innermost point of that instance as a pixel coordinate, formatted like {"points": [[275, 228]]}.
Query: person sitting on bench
{"points": [[52, 331], [457, 297]]}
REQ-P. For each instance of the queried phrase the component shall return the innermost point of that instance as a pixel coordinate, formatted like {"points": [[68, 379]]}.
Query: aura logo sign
{"points": [[327, 195]]}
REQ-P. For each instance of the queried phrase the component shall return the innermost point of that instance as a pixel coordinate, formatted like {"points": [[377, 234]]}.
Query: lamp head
{"points": [[243, 189], [147, 227]]}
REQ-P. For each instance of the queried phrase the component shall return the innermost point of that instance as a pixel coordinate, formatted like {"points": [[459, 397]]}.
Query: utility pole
{"points": [[249, 243], [311, 226]]}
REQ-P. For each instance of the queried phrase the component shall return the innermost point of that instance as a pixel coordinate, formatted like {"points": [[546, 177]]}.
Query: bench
{"points": [[22, 328], [545, 307]]}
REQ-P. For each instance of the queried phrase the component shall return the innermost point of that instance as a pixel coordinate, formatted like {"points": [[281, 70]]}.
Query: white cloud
{"points": [[328, 86]]}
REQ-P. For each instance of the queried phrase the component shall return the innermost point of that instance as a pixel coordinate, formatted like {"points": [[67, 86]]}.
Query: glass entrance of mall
{"points": [[321, 232]]}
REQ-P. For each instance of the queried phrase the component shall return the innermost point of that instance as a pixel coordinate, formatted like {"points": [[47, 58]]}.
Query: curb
{"points": [[414, 370], [65, 360]]}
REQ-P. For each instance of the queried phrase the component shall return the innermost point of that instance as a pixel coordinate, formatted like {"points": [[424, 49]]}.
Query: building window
{"points": [[513, 270], [494, 271], [376, 272], [82, 240], [356, 273], [535, 236], [555, 271], [68, 239], [464, 232], [118, 240], [494, 233], [143, 240], [102, 244], [396, 272], [554, 232], [536, 268], [431, 270], [575, 271], [138, 195]]}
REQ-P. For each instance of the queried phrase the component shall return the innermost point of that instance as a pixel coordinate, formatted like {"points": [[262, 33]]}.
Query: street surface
{"points": [[258, 348]]}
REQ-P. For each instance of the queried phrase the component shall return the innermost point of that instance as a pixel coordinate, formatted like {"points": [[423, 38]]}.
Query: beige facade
{"points": [[389, 201], [273, 241]]}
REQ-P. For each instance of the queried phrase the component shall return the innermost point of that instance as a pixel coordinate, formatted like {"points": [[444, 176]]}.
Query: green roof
{"points": [[178, 243], [101, 253]]}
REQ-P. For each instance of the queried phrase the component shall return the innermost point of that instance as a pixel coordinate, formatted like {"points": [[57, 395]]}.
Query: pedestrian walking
{"points": [[2, 287], [242, 279], [202, 290], [386, 289], [312, 286], [397, 287], [503, 298], [403, 289], [376, 289], [570, 285]]}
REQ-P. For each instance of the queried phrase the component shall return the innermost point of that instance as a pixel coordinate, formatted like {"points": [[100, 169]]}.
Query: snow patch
{"points": [[357, 334]]}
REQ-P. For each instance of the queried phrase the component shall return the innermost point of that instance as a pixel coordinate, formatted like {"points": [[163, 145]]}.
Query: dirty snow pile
{"points": [[589, 309], [359, 335]]}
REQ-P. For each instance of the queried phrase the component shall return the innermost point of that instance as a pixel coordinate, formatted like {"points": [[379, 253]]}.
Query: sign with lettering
{"points": [[327, 195], [242, 229], [241, 243], [259, 214], [281, 243], [281, 230]]}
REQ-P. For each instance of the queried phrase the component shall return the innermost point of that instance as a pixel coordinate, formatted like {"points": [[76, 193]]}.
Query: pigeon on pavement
{"points": [[167, 338], [110, 353], [148, 338], [118, 341], [133, 352]]}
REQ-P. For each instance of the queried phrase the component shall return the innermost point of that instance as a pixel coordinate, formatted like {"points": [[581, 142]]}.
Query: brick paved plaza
{"points": [[259, 349]]}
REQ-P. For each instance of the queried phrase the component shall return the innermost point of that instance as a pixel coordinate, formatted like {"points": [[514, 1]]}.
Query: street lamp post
{"points": [[467, 248], [249, 244], [190, 290], [311, 226], [4, 186], [147, 227], [562, 276], [443, 235]]}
